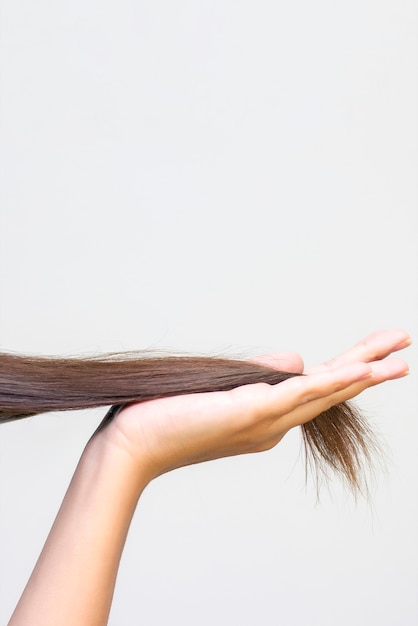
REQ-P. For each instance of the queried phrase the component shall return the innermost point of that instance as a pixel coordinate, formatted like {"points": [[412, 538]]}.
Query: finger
{"points": [[381, 371], [376, 346], [282, 361], [287, 396]]}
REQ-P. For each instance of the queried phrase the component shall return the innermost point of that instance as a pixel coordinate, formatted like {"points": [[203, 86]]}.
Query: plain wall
{"points": [[233, 177]]}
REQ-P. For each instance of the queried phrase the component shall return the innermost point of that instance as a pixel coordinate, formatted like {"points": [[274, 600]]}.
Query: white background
{"points": [[215, 176]]}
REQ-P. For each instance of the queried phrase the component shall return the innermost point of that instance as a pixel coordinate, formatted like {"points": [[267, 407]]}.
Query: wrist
{"points": [[111, 446]]}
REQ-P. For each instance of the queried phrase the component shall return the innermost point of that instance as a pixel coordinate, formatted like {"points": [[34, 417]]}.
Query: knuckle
{"points": [[331, 364], [306, 389], [372, 352]]}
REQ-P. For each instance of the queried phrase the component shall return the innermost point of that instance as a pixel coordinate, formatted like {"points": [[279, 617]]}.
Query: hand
{"points": [[164, 434]]}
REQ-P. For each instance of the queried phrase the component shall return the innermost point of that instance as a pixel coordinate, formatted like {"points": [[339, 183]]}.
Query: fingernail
{"points": [[366, 375], [403, 373], [404, 344]]}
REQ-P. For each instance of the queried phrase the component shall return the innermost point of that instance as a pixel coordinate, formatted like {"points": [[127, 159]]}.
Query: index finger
{"points": [[374, 347]]}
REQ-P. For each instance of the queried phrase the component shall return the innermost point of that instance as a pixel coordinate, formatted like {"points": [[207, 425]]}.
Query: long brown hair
{"points": [[338, 438]]}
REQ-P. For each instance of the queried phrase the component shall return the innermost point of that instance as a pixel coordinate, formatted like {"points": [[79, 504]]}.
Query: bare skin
{"points": [[74, 578]]}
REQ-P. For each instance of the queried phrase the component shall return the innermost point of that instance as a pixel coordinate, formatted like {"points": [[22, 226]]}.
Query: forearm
{"points": [[74, 578]]}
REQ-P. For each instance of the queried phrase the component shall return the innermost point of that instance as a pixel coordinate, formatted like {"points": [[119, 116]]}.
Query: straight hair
{"points": [[339, 439]]}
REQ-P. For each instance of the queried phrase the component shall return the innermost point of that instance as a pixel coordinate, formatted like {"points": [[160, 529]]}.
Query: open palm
{"points": [[173, 432]]}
